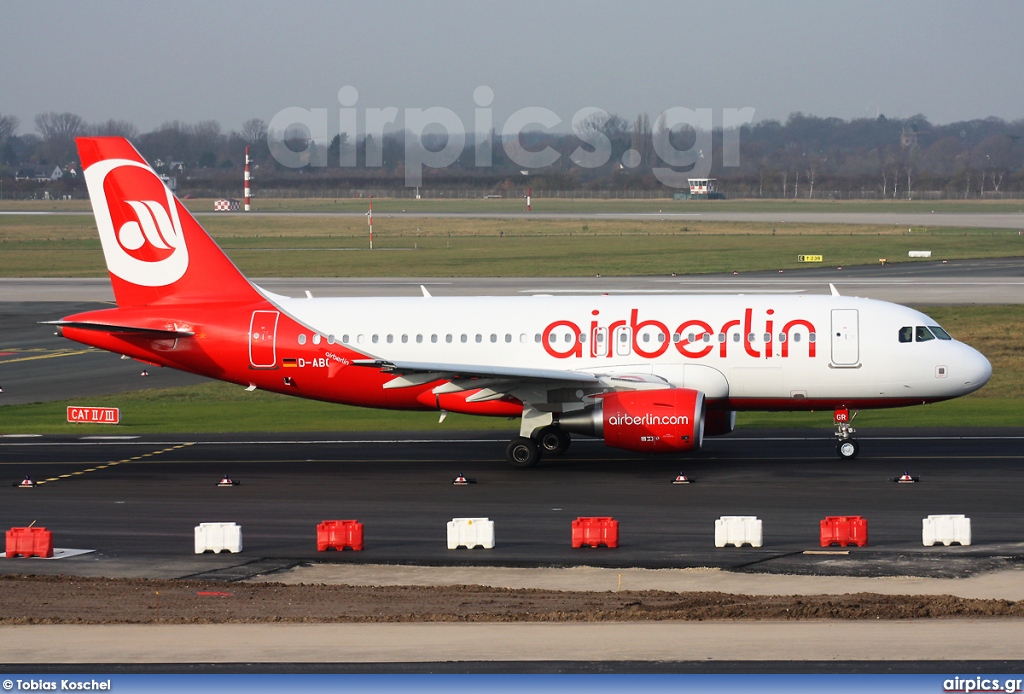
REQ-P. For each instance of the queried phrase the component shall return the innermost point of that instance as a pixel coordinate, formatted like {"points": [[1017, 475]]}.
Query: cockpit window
{"points": [[940, 333], [906, 334], [922, 334]]}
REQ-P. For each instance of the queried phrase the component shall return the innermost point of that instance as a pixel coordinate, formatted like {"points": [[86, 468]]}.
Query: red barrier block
{"points": [[595, 531], [844, 530], [338, 535], [29, 542]]}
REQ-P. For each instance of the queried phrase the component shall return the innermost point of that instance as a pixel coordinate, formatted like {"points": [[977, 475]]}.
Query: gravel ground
{"points": [[71, 600]]}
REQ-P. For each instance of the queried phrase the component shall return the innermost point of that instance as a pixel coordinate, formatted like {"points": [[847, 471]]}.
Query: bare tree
{"points": [[116, 128], [8, 126], [641, 139], [55, 126], [254, 131], [59, 131]]}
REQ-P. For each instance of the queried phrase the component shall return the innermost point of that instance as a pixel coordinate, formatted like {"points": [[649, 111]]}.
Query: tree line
{"points": [[804, 157]]}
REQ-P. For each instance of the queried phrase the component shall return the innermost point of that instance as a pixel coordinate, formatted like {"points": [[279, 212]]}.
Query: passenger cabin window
{"points": [[302, 339], [922, 334], [906, 334]]}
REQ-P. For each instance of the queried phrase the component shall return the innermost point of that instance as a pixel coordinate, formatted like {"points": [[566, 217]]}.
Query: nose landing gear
{"points": [[847, 448]]}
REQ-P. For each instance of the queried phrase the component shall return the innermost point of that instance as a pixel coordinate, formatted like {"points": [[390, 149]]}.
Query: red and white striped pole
{"points": [[369, 216], [527, 199], [247, 179]]}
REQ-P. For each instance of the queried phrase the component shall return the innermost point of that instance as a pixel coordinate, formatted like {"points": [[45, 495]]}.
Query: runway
{"points": [[998, 280], [662, 210], [136, 500]]}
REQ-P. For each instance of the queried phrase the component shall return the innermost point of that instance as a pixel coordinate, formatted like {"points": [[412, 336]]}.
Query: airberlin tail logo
{"points": [[138, 223]]}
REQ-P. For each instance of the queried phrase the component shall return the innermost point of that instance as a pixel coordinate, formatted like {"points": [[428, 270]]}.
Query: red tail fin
{"points": [[156, 252]]}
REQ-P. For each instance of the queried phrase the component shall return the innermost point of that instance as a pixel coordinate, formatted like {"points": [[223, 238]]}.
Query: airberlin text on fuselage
{"points": [[678, 338]]}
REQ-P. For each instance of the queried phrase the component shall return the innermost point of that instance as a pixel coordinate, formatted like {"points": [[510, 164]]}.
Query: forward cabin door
{"points": [[263, 340], [845, 340]]}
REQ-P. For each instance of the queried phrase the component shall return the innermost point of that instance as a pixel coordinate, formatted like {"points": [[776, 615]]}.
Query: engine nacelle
{"points": [[650, 421], [719, 422]]}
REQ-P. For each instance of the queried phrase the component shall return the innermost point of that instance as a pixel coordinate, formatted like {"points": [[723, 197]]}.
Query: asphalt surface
{"points": [[984, 220], [923, 282], [139, 512]]}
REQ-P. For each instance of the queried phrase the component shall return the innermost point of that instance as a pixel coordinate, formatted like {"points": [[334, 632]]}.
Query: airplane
{"points": [[650, 373]]}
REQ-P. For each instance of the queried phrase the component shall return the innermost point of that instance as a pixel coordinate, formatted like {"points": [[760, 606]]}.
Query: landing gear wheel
{"points": [[522, 452], [848, 449], [553, 440]]}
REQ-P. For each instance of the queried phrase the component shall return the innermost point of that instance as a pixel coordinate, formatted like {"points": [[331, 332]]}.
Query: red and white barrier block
{"points": [[738, 531], [947, 529], [218, 537], [470, 533]]}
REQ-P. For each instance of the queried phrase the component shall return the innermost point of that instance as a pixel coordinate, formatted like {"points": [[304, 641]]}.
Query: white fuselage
{"points": [[760, 351]]}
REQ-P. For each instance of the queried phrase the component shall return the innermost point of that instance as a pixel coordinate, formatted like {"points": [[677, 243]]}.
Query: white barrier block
{"points": [[920, 254], [946, 529], [737, 531], [470, 532], [218, 537]]}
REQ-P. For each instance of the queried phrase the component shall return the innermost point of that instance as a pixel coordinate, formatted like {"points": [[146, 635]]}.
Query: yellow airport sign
{"points": [[809, 258]]}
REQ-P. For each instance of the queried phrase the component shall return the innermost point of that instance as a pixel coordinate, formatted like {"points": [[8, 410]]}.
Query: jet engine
{"points": [[649, 421]]}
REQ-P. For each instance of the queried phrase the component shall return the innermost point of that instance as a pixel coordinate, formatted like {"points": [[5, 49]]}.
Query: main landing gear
{"points": [[847, 448], [525, 451]]}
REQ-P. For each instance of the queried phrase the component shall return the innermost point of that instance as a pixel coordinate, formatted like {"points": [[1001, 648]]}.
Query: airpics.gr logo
{"points": [[138, 223]]}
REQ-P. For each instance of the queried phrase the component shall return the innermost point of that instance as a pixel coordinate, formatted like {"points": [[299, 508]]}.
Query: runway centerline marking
{"points": [[50, 356], [112, 464]]}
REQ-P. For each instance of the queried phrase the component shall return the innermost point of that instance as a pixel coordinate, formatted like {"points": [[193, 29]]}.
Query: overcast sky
{"points": [[153, 62]]}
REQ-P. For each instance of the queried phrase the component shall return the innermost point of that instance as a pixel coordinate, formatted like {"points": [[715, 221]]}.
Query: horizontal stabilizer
{"points": [[126, 329]]}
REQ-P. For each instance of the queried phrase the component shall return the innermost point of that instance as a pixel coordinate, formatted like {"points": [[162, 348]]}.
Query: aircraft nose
{"points": [[975, 369]]}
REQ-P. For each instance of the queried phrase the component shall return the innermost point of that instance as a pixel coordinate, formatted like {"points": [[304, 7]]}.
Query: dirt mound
{"points": [[72, 600]]}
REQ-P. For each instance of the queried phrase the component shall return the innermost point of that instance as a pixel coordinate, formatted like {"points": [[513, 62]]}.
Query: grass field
{"points": [[284, 246], [219, 407]]}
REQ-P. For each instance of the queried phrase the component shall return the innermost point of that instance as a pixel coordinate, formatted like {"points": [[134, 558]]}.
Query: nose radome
{"points": [[976, 370]]}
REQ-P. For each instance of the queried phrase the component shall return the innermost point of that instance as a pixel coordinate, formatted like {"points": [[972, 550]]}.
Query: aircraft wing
{"points": [[432, 371], [539, 387]]}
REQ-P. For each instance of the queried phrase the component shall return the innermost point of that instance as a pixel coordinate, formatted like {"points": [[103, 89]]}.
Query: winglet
{"points": [[832, 288], [426, 294]]}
